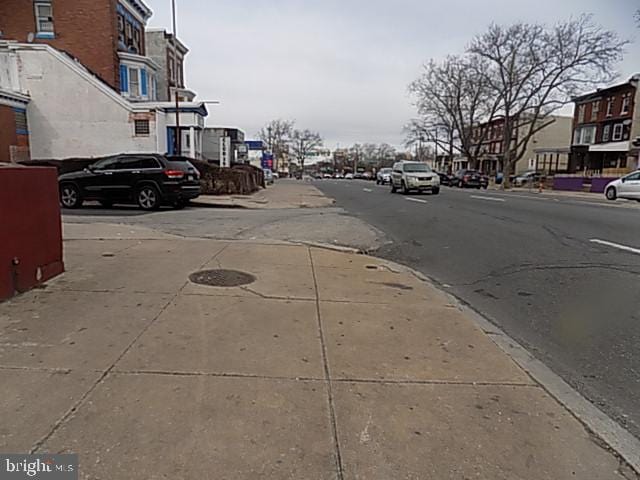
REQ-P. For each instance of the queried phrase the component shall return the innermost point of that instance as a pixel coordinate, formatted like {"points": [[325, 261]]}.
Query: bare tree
{"points": [[303, 142], [453, 101], [535, 70], [276, 135]]}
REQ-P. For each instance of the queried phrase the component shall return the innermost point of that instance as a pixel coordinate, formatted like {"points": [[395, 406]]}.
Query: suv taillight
{"points": [[174, 174], [467, 177]]}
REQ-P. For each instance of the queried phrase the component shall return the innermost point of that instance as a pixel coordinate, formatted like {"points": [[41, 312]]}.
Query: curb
{"points": [[335, 248]]}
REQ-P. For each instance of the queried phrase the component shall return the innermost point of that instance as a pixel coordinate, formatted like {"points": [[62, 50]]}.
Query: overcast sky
{"points": [[342, 67]]}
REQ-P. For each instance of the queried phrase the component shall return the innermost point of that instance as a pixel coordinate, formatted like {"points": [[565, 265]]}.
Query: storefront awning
{"points": [[610, 147]]}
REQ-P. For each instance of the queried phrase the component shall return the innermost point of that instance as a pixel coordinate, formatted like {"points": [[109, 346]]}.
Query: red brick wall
{"points": [[87, 29], [8, 135]]}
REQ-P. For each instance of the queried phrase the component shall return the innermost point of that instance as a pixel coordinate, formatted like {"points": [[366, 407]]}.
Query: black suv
{"points": [[148, 180], [470, 178]]}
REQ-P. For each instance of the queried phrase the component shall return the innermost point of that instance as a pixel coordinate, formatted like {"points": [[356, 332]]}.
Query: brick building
{"points": [[106, 36], [552, 139], [605, 125], [168, 53]]}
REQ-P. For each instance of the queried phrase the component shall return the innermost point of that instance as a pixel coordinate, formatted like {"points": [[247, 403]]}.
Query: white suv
{"points": [[407, 176]]}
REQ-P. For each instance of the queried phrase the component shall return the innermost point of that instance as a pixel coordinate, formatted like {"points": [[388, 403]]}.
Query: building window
{"points": [[20, 115], [129, 32], [44, 18], [581, 110], [172, 69], [606, 133], [595, 110], [142, 128], [180, 73], [626, 104], [610, 107], [585, 135], [136, 47], [121, 29], [134, 82], [617, 132]]}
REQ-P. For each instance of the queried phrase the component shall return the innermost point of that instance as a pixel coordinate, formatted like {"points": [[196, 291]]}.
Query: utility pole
{"points": [[175, 74]]}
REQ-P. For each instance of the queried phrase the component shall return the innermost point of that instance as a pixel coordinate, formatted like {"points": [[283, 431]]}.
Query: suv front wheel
{"points": [[70, 196], [148, 197]]}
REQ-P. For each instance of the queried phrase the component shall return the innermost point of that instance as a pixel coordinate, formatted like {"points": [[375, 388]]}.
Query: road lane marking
{"points": [[616, 245], [416, 200], [367, 190], [492, 199]]}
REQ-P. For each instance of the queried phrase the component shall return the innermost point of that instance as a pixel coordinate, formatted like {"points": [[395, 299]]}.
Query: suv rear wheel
{"points": [[148, 197], [70, 196]]}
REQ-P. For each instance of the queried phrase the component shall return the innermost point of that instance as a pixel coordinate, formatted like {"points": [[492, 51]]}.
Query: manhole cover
{"points": [[222, 278]]}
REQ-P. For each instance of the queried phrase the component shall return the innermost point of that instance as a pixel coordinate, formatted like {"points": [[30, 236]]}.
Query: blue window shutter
{"points": [[143, 82], [124, 78]]}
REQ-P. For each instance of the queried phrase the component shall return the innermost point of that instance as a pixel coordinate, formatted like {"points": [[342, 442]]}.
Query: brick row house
{"points": [[605, 126], [546, 149], [89, 85]]}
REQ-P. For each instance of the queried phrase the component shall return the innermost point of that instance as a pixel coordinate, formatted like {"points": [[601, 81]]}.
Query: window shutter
{"points": [[143, 82], [124, 78]]}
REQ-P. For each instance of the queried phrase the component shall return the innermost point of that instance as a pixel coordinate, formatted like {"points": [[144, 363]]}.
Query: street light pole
{"points": [[178, 142]]}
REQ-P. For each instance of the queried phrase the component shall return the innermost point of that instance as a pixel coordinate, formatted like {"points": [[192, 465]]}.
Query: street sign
{"points": [[225, 152], [267, 161], [254, 144]]}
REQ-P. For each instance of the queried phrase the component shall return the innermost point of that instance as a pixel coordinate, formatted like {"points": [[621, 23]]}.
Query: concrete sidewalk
{"points": [[329, 365], [285, 193]]}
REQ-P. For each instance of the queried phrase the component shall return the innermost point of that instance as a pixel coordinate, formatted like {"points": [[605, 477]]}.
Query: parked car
{"points": [[358, 176], [625, 187], [527, 178], [383, 176], [268, 177], [146, 179], [407, 176], [445, 179], [367, 176], [349, 176], [466, 178], [276, 175], [327, 175], [338, 176]]}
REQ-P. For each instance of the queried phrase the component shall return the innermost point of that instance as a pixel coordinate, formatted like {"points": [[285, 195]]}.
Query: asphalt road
{"points": [[534, 265]]}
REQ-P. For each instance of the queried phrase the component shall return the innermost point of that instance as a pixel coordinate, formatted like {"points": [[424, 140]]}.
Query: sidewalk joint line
{"points": [[215, 375], [327, 373], [470, 383]]}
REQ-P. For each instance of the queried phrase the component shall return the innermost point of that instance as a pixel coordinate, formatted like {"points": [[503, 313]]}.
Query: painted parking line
{"points": [[491, 199], [367, 190], [616, 245], [417, 200]]}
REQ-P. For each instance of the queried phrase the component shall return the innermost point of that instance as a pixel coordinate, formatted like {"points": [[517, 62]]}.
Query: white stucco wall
{"points": [[72, 114]]}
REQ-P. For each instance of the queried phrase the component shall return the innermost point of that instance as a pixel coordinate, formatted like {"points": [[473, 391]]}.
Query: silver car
{"points": [[407, 176], [383, 176], [625, 187]]}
